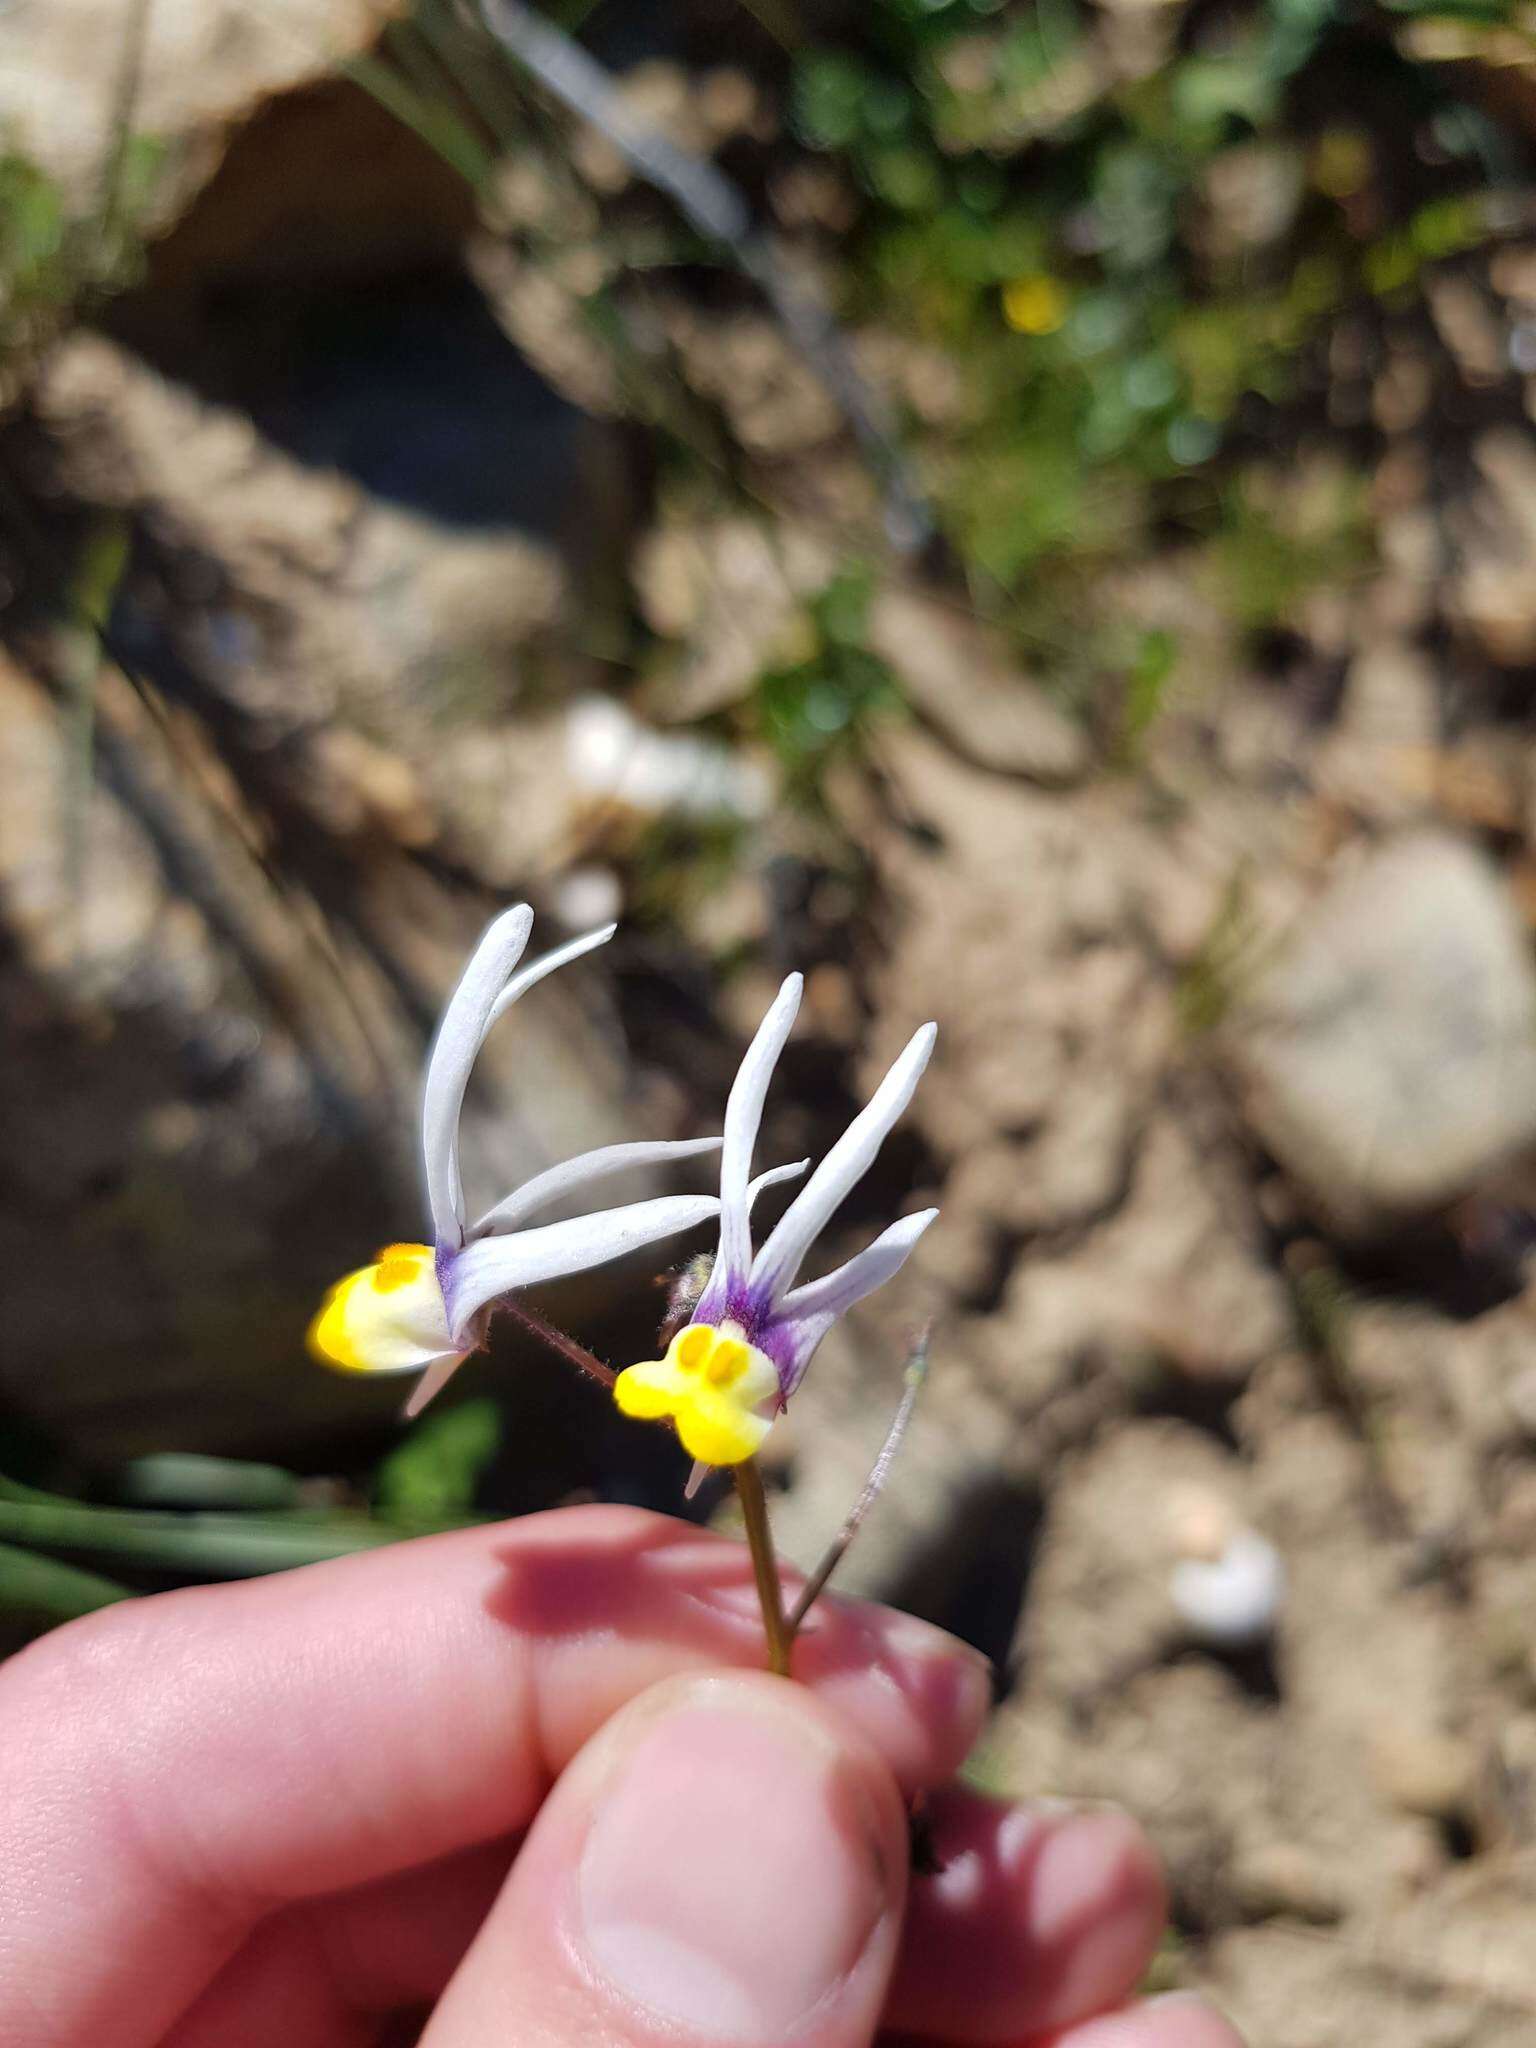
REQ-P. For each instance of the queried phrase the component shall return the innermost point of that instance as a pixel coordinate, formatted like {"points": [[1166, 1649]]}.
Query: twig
{"points": [[754, 1508], [714, 207], [815, 1585]]}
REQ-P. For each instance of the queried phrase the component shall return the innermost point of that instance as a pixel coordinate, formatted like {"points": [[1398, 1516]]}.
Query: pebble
{"points": [[1234, 1600]]}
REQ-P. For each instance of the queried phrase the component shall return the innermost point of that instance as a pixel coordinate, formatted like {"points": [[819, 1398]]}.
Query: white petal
{"points": [[558, 1181], [772, 1178], [519, 985], [844, 1166], [546, 963], [743, 1115], [432, 1382], [810, 1311], [492, 1266], [453, 1054], [837, 1291]]}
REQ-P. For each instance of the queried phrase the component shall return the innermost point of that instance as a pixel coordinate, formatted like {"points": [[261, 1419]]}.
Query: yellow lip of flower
{"points": [[387, 1317], [710, 1384]]}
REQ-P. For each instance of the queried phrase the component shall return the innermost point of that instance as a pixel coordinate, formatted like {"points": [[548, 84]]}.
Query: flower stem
{"points": [[916, 1375], [754, 1508], [546, 1333]]}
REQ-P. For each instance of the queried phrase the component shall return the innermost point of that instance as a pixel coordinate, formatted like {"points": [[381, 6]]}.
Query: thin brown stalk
{"points": [[754, 1509], [557, 1340], [815, 1585]]}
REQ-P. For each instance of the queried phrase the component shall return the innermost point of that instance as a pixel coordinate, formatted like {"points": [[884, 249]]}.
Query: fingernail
{"points": [[734, 1872]]}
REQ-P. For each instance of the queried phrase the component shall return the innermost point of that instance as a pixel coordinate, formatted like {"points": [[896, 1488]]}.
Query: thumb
{"points": [[724, 1863]]}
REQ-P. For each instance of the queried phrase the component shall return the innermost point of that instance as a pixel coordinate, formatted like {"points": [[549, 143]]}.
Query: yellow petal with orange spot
{"points": [[710, 1384], [387, 1317]]}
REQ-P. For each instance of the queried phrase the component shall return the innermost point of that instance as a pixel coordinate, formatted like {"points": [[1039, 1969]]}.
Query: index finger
{"points": [[176, 1767]]}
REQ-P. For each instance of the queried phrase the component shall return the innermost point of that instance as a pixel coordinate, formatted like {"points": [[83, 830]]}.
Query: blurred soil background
{"points": [[1049, 543]]}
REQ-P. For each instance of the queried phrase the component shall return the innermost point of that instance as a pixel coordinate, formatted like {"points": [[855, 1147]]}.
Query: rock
{"points": [[963, 682], [774, 401], [1422, 1771], [1280, 1877], [1233, 1600], [1389, 1055], [734, 595], [1493, 592], [612, 758], [212, 1103], [204, 64]]}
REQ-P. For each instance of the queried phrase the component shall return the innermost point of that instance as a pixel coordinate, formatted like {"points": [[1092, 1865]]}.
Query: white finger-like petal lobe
{"points": [[772, 1179], [743, 1115], [556, 1182], [810, 1311], [458, 1039], [493, 1266], [432, 1383], [546, 963], [844, 1166]]}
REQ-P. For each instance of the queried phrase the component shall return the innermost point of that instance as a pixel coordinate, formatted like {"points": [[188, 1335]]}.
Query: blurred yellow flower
{"points": [[1034, 305]]}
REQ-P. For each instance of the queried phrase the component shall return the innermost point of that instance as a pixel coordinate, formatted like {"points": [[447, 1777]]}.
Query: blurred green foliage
{"points": [[821, 707], [53, 256], [1127, 245], [435, 1473]]}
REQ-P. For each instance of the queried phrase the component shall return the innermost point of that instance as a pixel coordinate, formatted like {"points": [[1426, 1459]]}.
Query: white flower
{"points": [[753, 1332], [425, 1307]]}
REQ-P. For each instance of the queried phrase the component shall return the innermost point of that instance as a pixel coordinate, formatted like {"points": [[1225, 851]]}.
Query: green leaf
{"points": [[435, 1473], [40, 1592]]}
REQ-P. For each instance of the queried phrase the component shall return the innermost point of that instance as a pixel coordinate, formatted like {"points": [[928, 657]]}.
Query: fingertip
{"points": [[923, 1694], [1045, 1917], [1179, 2019], [724, 1860], [627, 1598]]}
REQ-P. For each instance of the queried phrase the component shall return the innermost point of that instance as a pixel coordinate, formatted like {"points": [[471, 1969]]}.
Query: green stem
{"points": [[44, 1590], [222, 1545], [754, 1508]]}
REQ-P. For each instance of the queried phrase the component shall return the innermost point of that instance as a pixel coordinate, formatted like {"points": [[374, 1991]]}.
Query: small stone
{"points": [[587, 896], [1390, 1053], [1234, 1600], [1201, 1523], [1282, 1877], [1422, 1771], [611, 756]]}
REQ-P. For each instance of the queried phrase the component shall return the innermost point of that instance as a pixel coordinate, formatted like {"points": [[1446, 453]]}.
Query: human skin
{"points": [[528, 1781]]}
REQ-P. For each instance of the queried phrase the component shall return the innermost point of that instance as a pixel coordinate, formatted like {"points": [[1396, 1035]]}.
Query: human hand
{"points": [[284, 1813]]}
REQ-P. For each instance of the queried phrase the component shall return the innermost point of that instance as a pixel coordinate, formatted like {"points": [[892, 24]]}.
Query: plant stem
{"points": [[916, 1374], [754, 1508], [578, 1354]]}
